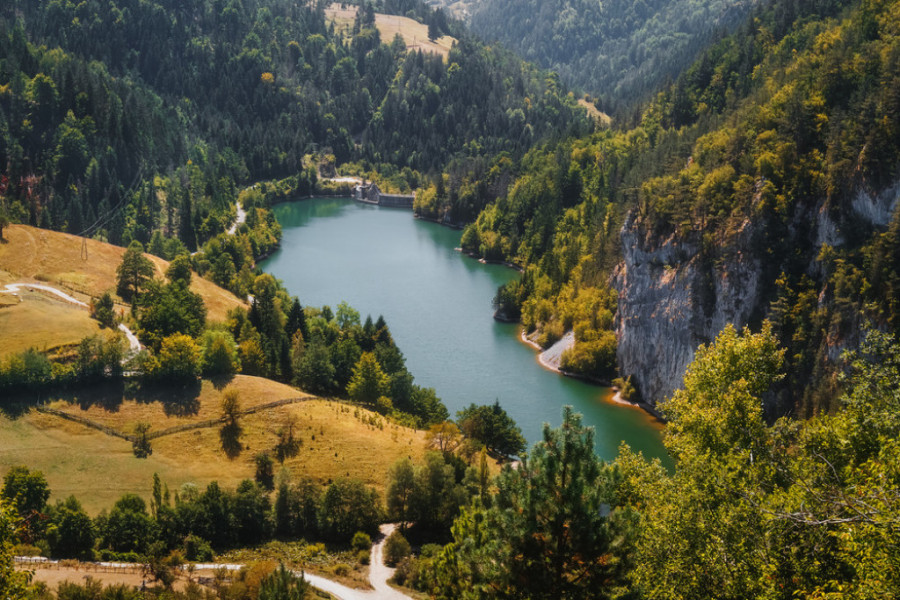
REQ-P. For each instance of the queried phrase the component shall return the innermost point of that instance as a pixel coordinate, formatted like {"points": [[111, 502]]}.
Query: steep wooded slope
{"points": [[761, 185], [619, 50], [169, 106]]}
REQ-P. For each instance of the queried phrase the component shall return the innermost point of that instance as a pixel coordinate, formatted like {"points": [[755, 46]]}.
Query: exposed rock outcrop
{"points": [[674, 296], [676, 293]]}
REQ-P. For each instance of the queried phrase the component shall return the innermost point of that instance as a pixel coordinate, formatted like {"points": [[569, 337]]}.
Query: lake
{"points": [[437, 303]]}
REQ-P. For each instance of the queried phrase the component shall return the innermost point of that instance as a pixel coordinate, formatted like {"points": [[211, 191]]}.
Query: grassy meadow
{"points": [[414, 34], [85, 269], [337, 440], [36, 320]]}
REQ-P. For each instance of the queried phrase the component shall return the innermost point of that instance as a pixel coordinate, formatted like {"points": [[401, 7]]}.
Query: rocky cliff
{"points": [[675, 292], [673, 297]]}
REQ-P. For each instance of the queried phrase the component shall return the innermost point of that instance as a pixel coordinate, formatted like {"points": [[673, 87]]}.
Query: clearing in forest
{"points": [[85, 268], [414, 34]]}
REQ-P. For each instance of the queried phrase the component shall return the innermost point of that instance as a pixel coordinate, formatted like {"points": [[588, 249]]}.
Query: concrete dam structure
{"points": [[371, 194]]}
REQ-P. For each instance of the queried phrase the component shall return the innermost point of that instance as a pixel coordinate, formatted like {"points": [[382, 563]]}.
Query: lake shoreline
{"points": [[439, 310], [549, 359]]}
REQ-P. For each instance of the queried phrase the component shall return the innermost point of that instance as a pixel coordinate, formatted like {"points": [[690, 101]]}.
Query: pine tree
{"points": [[134, 271], [547, 535], [283, 585]]}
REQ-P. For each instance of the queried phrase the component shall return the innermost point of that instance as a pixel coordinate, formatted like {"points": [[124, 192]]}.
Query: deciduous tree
{"points": [[368, 382]]}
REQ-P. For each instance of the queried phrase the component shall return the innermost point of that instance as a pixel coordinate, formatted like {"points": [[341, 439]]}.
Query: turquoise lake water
{"points": [[437, 303]]}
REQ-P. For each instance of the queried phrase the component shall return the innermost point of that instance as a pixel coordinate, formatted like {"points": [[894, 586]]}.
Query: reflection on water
{"points": [[438, 305]]}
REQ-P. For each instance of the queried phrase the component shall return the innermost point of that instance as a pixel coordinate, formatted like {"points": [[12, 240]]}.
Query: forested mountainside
{"points": [[169, 107], [761, 184], [620, 50]]}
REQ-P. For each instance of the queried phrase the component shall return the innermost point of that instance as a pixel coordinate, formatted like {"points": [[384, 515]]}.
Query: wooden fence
{"points": [[170, 430]]}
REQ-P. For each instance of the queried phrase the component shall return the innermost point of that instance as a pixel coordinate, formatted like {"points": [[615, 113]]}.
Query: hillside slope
{"points": [[619, 50], [762, 184], [336, 440], [87, 268], [137, 118]]}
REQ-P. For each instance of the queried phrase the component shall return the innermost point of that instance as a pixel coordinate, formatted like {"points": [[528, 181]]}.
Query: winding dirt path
{"points": [[134, 346], [379, 573], [241, 218]]}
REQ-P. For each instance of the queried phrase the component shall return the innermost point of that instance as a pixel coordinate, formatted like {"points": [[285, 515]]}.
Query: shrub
{"points": [[361, 541], [196, 549], [396, 548], [407, 572], [341, 569], [363, 557], [384, 405]]}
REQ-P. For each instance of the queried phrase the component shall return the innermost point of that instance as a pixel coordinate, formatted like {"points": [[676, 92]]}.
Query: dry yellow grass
{"points": [[37, 320], [57, 259], [167, 407], [414, 34], [337, 441], [594, 112]]}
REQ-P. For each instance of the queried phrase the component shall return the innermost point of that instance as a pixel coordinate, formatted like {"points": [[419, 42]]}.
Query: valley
{"points": [[209, 356]]}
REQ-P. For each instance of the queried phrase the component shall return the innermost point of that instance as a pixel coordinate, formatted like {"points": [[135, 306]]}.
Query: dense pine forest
{"points": [[619, 51], [726, 251], [168, 109]]}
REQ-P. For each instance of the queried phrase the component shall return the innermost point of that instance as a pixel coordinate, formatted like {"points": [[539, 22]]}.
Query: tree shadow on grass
{"points": [[106, 394], [230, 435], [220, 382], [16, 405], [178, 400]]}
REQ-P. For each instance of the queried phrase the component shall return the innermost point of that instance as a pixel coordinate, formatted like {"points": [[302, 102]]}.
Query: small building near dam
{"points": [[371, 194]]}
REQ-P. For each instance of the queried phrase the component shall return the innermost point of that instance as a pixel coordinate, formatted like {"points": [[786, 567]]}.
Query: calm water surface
{"points": [[437, 303]]}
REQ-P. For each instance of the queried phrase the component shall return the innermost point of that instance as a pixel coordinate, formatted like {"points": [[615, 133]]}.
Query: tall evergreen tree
{"points": [[549, 533], [133, 272]]}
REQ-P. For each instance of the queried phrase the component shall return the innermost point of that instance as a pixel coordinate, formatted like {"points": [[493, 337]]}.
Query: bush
{"points": [[626, 389], [361, 541], [341, 569], [196, 549], [596, 358], [179, 359], [363, 557], [26, 550], [396, 548], [407, 572], [384, 405]]}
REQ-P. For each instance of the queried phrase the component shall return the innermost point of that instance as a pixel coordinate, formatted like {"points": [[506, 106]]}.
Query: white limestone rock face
{"points": [[672, 298], [876, 209]]}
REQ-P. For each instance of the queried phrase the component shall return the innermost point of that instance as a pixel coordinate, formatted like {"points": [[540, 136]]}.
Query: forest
{"points": [[619, 52], [794, 116], [137, 117]]}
